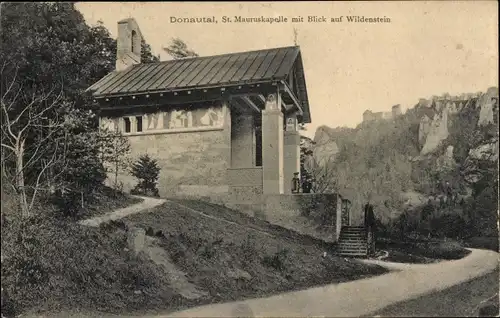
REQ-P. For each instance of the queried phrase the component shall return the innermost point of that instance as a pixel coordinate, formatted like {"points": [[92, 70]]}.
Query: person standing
{"points": [[369, 227]]}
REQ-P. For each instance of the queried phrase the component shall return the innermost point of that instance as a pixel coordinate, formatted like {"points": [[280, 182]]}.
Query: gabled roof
{"points": [[208, 71]]}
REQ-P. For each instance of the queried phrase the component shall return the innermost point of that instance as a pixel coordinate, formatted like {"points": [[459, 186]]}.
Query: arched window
{"points": [[133, 40]]}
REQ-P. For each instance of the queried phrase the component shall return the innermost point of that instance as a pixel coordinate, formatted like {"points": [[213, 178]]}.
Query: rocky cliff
{"points": [[441, 139], [435, 119], [325, 148]]}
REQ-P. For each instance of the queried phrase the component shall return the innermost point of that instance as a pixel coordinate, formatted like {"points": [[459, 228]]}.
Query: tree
{"points": [[305, 153], [323, 175], [178, 49], [49, 57], [114, 152], [146, 170], [146, 54], [35, 158]]}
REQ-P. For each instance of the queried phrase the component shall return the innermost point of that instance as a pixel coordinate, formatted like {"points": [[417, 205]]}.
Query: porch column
{"points": [[291, 151], [272, 145]]}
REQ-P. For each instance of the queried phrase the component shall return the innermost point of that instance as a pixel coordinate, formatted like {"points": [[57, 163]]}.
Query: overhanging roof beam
{"points": [[288, 91]]}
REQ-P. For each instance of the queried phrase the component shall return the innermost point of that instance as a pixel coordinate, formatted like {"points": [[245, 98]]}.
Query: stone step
{"points": [[353, 233], [356, 254], [352, 236], [352, 250], [353, 241], [354, 244]]}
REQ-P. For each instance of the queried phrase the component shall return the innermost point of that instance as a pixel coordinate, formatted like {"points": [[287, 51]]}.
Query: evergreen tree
{"points": [[147, 172]]}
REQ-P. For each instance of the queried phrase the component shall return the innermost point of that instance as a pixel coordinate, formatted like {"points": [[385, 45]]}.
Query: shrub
{"points": [[209, 249], [146, 170], [150, 231], [248, 250], [449, 225], [277, 261], [443, 250]]}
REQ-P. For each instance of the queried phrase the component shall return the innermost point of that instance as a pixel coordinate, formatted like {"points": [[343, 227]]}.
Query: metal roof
{"points": [[218, 70], [208, 72]]}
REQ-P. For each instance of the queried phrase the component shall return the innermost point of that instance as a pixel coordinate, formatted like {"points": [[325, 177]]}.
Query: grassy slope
{"points": [[50, 263], [276, 260], [57, 265], [103, 200]]}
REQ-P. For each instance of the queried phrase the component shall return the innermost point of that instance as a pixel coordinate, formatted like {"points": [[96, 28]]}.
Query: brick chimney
{"points": [[128, 44]]}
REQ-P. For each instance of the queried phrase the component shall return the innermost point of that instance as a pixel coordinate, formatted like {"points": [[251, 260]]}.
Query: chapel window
{"points": [[127, 125], [138, 120]]}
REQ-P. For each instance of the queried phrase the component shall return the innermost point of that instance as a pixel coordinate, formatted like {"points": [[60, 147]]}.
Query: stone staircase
{"points": [[352, 242]]}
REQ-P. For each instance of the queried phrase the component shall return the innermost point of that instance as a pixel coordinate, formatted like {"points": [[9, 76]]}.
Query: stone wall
{"points": [[317, 215], [245, 190], [193, 162]]}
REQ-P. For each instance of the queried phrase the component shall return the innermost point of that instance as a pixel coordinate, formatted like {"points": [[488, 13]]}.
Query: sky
{"points": [[428, 48]]}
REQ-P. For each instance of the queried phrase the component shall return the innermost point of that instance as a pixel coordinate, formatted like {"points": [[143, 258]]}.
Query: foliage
{"points": [[374, 161], [115, 151], [248, 250], [146, 54], [278, 260], [147, 171], [305, 154], [178, 49], [48, 58], [382, 159]]}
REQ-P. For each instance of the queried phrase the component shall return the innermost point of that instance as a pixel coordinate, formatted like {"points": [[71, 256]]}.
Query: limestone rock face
{"points": [[486, 103], [451, 107], [325, 148], [438, 131], [423, 129], [487, 151], [446, 161]]}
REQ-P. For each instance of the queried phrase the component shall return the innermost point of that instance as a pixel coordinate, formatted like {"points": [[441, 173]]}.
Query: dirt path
{"points": [[177, 278], [148, 203], [358, 298]]}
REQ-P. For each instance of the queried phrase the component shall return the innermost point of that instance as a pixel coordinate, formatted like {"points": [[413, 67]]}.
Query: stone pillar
{"points": [[291, 157], [272, 145], [135, 239]]}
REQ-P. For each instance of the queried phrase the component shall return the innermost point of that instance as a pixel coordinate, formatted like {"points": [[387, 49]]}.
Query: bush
{"points": [[52, 265], [448, 250], [449, 225], [146, 170], [277, 261], [248, 251]]}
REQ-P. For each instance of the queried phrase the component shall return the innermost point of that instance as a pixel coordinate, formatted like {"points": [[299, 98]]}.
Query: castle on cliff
{"points": [[368, 115]]}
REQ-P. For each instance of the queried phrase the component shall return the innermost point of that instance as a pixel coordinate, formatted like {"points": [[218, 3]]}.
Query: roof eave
{"points": [[189, 88]]}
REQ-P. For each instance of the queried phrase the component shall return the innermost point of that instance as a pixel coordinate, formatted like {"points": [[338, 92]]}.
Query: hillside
{"points": [[442, 145], [225, 255]]}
